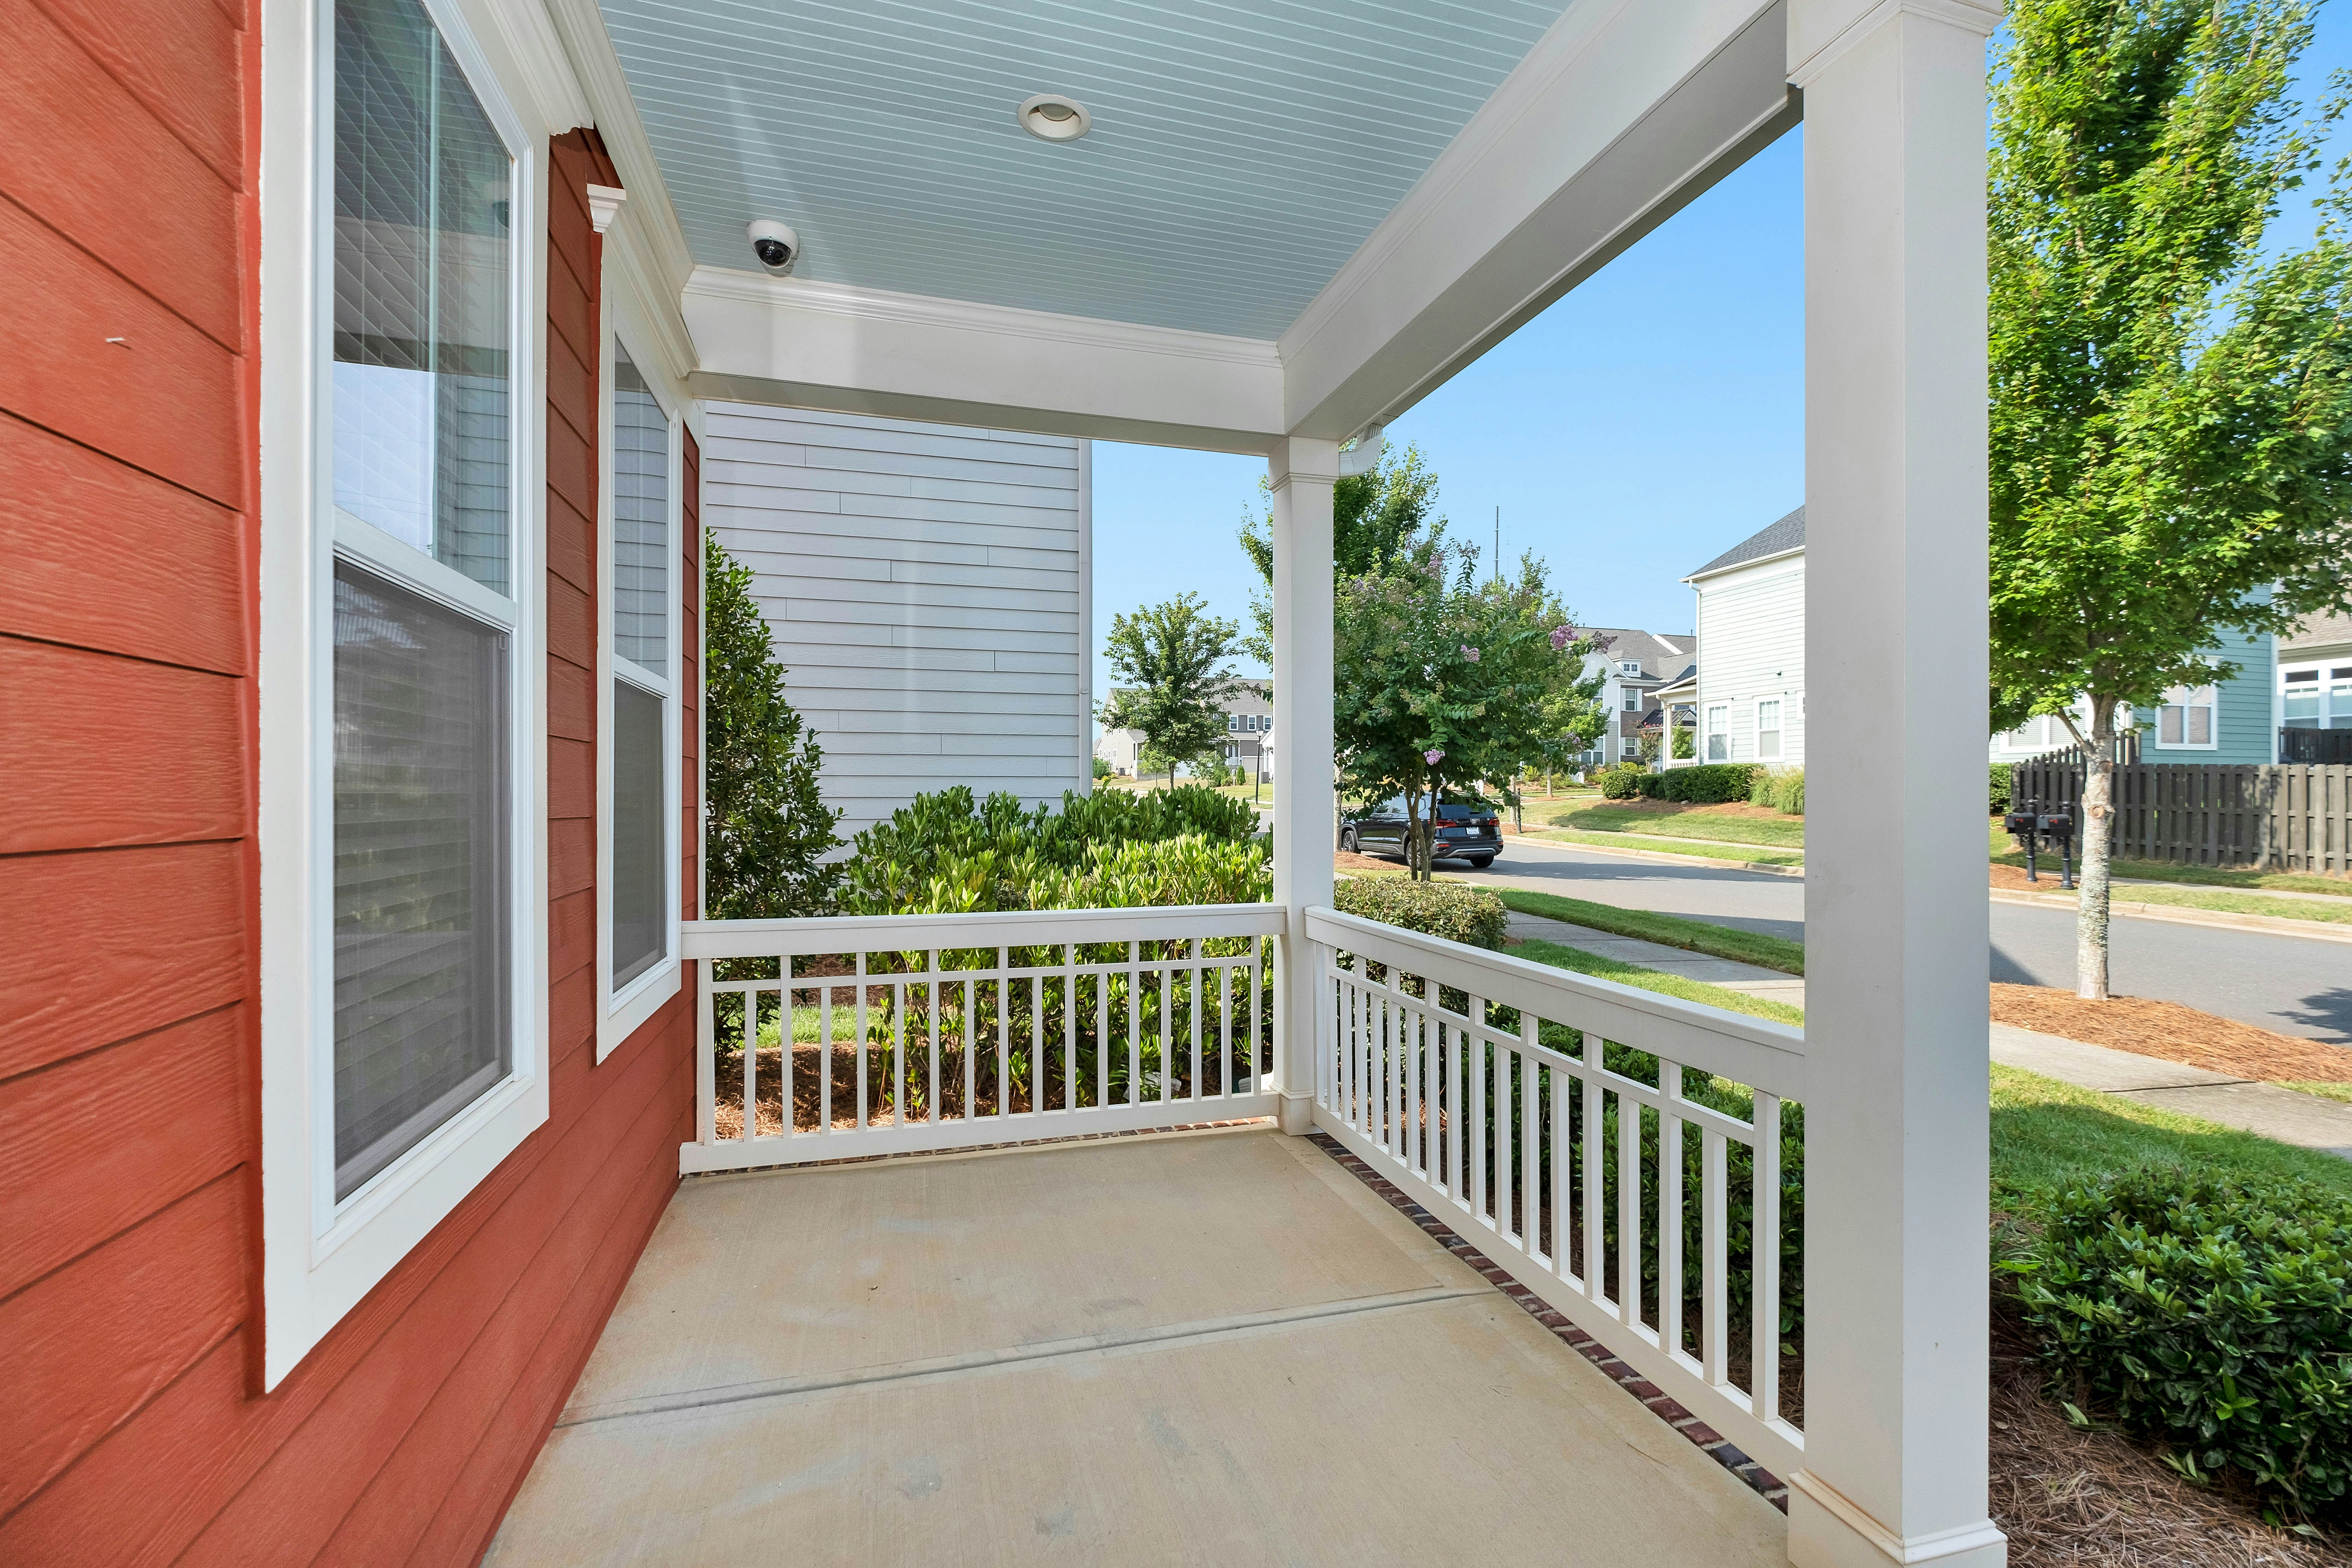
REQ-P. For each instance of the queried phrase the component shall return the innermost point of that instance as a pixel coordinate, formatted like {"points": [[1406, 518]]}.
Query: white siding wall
{"points": [[926, 586], [1751, 636]]}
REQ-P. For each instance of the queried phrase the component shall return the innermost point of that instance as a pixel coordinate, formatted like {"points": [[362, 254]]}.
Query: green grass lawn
{"points": [[1582, 962], [2228, 903], [2048, 1136], [2342, 1092], [1671, 821], [2004, 852], [1671, 931], [1757, 855]]}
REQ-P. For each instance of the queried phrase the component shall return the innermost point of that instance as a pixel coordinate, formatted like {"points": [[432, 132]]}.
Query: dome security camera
{"points": [[775, 245]]}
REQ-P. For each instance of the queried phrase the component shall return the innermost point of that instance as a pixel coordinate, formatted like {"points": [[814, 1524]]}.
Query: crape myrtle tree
{"points": [[1449, 683], [1174, 661], [2170, 397], [1378, 520], [766, 827]]}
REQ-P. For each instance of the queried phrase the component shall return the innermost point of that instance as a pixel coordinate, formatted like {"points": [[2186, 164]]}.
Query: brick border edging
{"points": [[1763, 1482], [993, 1148]]}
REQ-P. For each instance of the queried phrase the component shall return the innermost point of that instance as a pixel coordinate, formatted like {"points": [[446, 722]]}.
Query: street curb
{"points": [[1668, 857], [2319, 930]]}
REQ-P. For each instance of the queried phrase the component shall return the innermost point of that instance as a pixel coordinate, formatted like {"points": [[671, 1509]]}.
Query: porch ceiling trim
{"points": [[1617, 117], [828, 345]]}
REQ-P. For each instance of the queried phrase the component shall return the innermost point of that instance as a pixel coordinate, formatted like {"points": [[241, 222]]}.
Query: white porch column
{"points": [[1896, 927], [1305, 824]]}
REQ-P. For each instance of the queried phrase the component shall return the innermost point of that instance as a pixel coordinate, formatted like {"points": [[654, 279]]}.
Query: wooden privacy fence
{"points": [[2289, 818]]}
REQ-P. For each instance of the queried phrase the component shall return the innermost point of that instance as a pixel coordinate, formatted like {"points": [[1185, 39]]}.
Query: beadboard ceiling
{"points": [[1239, 153]]}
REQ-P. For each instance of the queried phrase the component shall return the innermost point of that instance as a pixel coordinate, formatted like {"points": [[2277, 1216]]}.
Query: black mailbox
{"points": [[2056, 825]]}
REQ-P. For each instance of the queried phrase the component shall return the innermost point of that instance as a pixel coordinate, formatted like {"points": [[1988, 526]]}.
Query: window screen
{"points": [[422, 280], [1719, 737], [640, 910], [640, 521], [421, 1015], [1768, 730]]}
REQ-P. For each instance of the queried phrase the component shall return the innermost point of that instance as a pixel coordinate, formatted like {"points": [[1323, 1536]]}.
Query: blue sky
{"points": [[1646, 422]]}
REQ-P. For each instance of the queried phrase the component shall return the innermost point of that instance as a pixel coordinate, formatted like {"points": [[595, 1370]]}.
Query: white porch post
{"points": [[1304, 826], [1896, 927]]}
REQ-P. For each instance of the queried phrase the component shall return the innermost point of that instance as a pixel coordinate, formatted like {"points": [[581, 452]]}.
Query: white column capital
{"points": [[1820, 32], [1302, 458]]}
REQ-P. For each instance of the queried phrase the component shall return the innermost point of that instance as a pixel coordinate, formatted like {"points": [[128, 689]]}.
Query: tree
{"points": [[1174, 661], [1449, 684], [1378, 518], [766, 826], [2170, 401]]}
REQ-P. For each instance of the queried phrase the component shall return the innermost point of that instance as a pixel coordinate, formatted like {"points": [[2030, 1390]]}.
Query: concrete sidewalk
{"points": [[2304, 1121], [1747, 978]]}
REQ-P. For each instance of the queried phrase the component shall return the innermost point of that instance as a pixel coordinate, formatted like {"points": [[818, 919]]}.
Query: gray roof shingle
{"points": [[1781, 537]]}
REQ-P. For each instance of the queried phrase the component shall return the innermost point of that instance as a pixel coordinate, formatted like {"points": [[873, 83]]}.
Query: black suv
{"points": [[1472, 833]]}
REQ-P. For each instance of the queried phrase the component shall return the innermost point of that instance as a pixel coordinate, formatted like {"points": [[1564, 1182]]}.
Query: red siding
{"points": [[129, 1119]]}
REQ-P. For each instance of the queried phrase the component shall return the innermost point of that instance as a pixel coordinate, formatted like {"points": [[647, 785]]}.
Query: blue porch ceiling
{"points": [[1239, 153]]}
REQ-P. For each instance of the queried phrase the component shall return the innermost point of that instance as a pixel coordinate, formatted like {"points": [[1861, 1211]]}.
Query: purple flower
{"points": [[1469, 653], [1432, 757], [1561, 637]]}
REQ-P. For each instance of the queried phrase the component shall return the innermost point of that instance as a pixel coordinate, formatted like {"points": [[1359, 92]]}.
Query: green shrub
{"points": [[1473, 916], [1623, 781], [1709, 783], [1781, 789], [946, 853], [2002, 775], [2209, 1314], [1103, 768]]}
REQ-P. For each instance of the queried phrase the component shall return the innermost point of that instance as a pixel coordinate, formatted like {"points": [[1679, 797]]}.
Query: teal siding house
{"points": [[2232, 720]]}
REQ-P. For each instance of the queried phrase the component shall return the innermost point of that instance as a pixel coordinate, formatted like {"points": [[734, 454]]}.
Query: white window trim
{"points": [[320, 1258], [621, 1013], [2156, 740], [1756, 727], [1708, 731]]}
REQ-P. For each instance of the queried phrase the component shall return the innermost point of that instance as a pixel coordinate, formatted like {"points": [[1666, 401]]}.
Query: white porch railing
{"points": [[877, 1035], [1481, 1085]]}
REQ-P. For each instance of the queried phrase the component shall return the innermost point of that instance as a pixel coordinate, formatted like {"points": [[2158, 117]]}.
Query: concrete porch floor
{"points": [[1213, 1347]]}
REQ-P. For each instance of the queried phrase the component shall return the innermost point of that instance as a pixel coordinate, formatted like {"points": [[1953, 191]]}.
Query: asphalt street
{"points": [[2291, 984]]}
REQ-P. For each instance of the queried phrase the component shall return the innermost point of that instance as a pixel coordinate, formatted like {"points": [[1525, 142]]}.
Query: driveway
{"points": [[2287, 983]]}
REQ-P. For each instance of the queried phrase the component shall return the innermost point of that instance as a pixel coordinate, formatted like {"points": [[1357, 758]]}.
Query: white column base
{"points": [[1827, 1530], [1296, 1113]]}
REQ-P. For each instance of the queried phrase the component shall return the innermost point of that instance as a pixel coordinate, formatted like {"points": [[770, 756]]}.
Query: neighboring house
{"points": [[2234, 721], [928, 587], [1249, 732], [1750, 698], [1636, 665], [2315, 674]]}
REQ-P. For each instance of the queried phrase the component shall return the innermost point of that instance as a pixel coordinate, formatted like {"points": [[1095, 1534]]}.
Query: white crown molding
{"points": [[538, 53], [1971, 15], [632, 253], [612, 110], [1561, 46], [605, 204], [966, 315], [1622, 112]]}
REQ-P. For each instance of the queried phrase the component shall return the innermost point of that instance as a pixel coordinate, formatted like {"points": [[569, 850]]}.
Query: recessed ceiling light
{"points": [[1053, 118]]}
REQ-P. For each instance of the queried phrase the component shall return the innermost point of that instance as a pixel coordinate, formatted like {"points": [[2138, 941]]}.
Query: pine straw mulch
{"points": [[2075, 1498], [2172, 1033]]}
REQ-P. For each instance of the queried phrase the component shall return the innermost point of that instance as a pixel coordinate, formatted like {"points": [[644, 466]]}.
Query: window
{"points": [[639, 891], [2186, 717], [1719, 732], [1232, 723], [423, 666], [2317, 698], [1633, 748], [1768, 729], [1629, 667], [2303, 705], [403, 947], [1633, 700]]}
